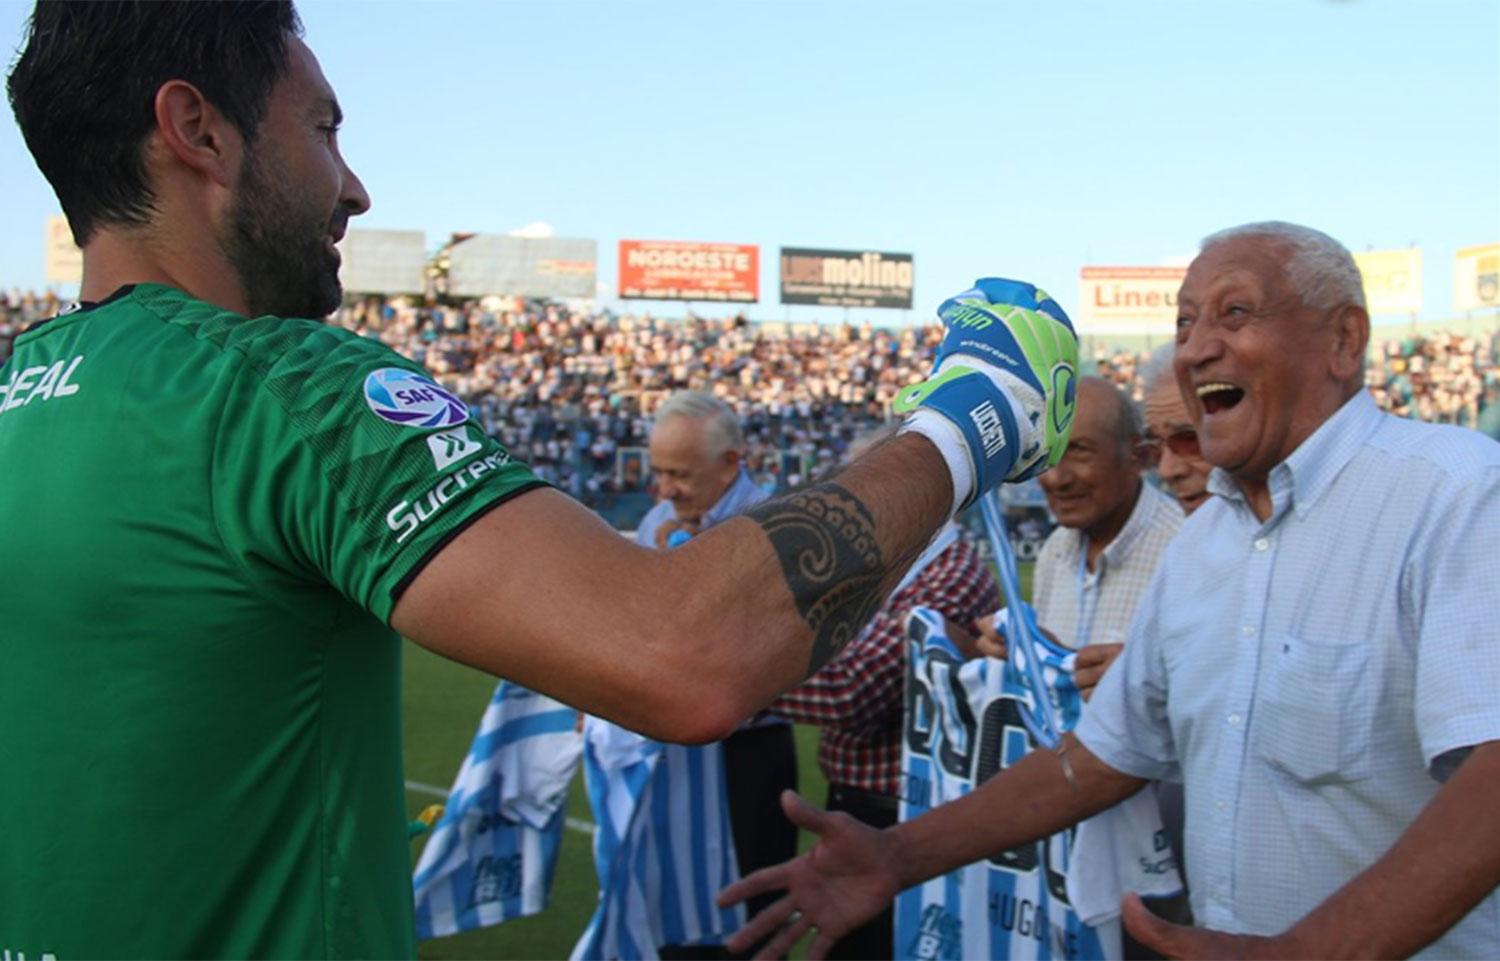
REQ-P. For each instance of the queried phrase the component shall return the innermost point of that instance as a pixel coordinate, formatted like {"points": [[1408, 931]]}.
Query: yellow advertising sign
{"points": [[63, 259], [1476, 278], [1393, 280]]}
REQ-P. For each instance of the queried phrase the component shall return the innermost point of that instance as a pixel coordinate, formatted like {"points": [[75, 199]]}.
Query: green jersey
{"points": [[207, 520]]}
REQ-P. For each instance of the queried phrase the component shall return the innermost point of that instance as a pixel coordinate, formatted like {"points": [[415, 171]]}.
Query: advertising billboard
{"points": [[1476, 278], [1393, 280], [846, 278], [63, 261], [541, 267], [383, 262], [689, 270], [1128, 301]]}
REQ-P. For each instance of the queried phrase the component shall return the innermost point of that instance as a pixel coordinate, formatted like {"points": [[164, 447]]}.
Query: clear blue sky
{"points": [[1025, 139]]}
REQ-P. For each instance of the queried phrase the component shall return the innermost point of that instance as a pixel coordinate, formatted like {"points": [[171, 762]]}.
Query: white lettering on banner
{"points": [[6, 954], [407, 516], [867, 270], [24, 386], [689, 259]]}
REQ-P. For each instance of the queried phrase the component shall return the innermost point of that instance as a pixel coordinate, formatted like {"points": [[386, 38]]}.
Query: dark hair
{"points": [[84, 88]]}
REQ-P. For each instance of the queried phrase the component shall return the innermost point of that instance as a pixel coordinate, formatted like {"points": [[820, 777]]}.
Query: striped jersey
{"points": [[492, 855], [965, 722], [662, 847]]}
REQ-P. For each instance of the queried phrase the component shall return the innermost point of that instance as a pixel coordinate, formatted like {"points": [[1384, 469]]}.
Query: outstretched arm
{"points": [[854, 870], [1446, 862], [681, 644]]}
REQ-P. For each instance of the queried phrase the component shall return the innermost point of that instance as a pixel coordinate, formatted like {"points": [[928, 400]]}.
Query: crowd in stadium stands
{"points": [[572, 393], [1446, 378]]}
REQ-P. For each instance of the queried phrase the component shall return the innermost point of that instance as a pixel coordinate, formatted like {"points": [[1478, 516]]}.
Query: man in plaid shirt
{"points": [[857, 699]]}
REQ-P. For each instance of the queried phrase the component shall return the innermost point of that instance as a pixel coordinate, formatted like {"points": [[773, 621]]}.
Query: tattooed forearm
{"points": [[824, 539]]}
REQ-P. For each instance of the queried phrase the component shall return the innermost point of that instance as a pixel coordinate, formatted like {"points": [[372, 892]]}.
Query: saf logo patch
{"points": [[408, 398]]}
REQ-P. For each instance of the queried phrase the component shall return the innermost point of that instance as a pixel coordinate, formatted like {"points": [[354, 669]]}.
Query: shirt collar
{"points": [[1316, 462], [742, 495]]}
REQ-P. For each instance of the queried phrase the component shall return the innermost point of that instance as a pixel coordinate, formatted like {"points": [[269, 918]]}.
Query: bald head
{"points": [[1094, 487], [1116, 414]]}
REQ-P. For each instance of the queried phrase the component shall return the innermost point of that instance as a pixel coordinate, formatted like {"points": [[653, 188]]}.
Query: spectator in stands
{"points": [[696, 455], [857, 700], [1316, 659], [1170, 438]]}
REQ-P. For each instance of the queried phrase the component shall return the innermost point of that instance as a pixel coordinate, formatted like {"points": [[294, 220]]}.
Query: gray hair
{"points": [[1157, 370], [721, 428], [1320, 269]]}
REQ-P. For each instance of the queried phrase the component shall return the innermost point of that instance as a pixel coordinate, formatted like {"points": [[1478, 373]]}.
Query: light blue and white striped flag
{"points": [[491, 857], [965, 722], [662, 849]]}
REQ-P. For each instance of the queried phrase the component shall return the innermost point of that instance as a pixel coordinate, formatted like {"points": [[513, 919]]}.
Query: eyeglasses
{"points": [[1183, 443]]}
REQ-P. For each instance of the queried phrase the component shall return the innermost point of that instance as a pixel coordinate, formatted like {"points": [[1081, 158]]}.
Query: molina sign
{"points": [[689, 270], [1476, 278], [845, 278], [1393, 280], [1128, 301]]}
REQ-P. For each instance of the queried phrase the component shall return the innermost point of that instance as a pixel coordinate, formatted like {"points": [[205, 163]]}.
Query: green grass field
{"points": [[444, 702]]}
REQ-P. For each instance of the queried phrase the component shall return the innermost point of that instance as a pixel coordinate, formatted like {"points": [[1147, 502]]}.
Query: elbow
{"points": [[697, 717]]}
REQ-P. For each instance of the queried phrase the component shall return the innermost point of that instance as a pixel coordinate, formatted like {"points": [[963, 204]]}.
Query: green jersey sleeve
{"points": [[340, 459]]}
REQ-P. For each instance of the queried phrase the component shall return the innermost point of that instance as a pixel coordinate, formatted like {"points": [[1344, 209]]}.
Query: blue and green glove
{"points": [[999, 403]]}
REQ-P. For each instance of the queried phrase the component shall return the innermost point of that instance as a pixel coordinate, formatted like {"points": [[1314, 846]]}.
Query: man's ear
{"points": [[195, 133], [1351, 338]]}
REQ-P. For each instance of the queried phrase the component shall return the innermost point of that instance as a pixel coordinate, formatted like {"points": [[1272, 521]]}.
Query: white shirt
{"points": [[1083, 607], [1312, 678]]}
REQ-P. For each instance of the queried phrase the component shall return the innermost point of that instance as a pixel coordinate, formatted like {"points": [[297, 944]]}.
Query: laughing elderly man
{"points": [[1315, 659]]}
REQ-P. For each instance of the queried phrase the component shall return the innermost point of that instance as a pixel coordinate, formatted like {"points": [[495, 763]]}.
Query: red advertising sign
{"points": [[689, 270]]}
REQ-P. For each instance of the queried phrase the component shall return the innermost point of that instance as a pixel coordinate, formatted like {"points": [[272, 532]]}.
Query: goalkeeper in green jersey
{"points": [[219, 514]]}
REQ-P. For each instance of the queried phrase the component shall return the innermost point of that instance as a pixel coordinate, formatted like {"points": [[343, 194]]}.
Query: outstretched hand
{"points": [[846, 879], [1179, 941]]}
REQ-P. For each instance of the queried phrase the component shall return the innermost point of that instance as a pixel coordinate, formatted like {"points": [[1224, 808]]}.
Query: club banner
{"points": [[846, 278], [689, 270]]}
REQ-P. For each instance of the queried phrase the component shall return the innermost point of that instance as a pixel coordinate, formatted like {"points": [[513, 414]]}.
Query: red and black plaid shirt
{"points": [[857, 698]]}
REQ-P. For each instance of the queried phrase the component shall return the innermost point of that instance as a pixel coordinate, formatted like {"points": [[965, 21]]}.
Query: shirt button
{"points": [[1262, 543], [1234, 720], [1220, 805], [1247, 630]]}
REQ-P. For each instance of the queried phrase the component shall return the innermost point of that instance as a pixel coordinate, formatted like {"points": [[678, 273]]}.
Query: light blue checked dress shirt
{"points": [[1313, 678]]}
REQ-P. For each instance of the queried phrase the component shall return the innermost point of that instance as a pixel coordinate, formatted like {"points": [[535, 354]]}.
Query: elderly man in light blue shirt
{"points": [[697, 453], [1317, 657]]}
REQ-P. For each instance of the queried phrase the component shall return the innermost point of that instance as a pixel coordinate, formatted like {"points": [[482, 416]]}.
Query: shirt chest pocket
{"points": [[1312, 719]]}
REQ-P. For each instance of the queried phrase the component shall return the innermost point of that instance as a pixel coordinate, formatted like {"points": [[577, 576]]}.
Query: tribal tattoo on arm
{"points": [[824, 538]]}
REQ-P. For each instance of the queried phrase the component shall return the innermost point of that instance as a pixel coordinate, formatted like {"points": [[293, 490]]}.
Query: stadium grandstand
{"points": [[572, 391]]}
